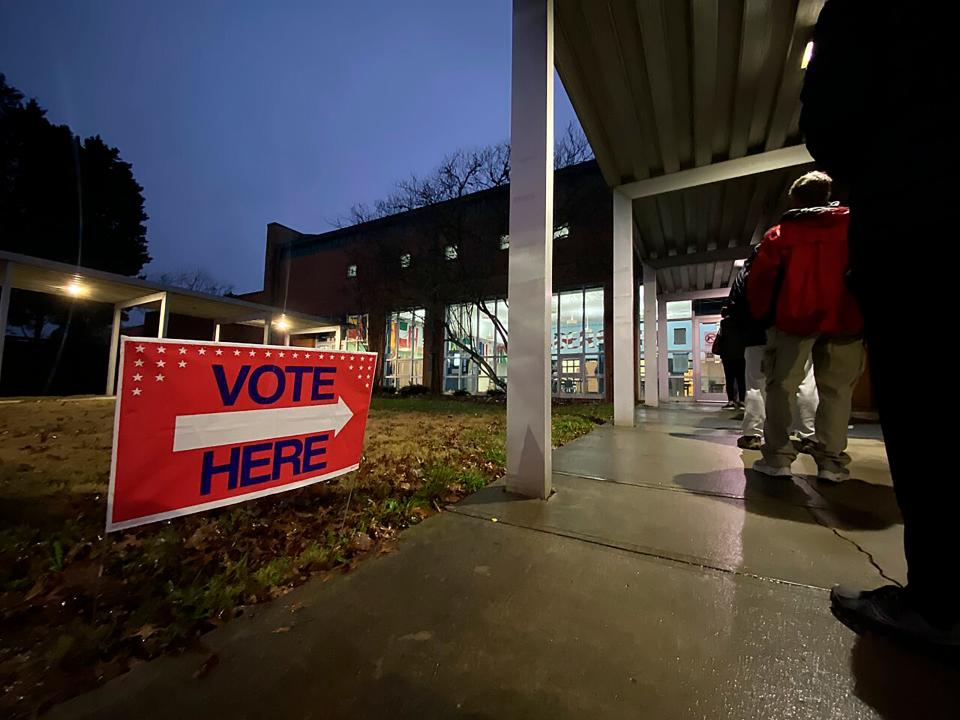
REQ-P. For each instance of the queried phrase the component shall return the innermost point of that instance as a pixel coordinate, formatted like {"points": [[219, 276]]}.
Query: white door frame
{"points": [[698, 395]]}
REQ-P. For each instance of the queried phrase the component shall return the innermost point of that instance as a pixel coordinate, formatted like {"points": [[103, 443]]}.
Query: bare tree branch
{"points": [[196, 280]]}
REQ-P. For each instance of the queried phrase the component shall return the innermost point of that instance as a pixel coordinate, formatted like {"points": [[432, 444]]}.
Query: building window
{"points": [[351, 271], [475, 351], [561, 231], [450, 252], [405, 260], [679, 350], [355, 334], [504, 242], [475, 347], [578, 348], [403, 354]]}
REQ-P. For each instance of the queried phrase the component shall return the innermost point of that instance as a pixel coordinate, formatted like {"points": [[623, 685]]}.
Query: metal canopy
{"points": [[665, 86], [50, 277]]}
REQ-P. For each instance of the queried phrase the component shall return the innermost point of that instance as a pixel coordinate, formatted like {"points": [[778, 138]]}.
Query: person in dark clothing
{"points": [[875, 115], [730, 347]]}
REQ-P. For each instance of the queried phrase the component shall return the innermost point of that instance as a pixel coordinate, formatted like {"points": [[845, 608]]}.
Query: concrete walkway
{"points": [[661, 581]]}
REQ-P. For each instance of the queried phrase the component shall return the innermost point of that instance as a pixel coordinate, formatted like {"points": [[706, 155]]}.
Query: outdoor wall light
{"points": [[807, 54], [281, 324]]}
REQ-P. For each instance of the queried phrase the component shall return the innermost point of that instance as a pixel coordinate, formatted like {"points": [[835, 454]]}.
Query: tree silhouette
{"points": [[66, 199]]}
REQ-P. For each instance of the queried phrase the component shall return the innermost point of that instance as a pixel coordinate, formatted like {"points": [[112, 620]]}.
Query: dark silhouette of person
{"points": [[729, 345], [875, 116]]}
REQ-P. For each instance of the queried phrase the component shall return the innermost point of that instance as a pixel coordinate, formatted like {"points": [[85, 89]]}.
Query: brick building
{"points": [[427, 288]]}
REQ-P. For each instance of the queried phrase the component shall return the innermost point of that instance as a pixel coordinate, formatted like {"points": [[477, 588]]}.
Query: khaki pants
{"points": [[837, 365], [755, 414]]}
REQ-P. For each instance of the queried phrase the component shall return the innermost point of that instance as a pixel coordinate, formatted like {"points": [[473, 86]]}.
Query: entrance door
{"points": [[708, 379]]}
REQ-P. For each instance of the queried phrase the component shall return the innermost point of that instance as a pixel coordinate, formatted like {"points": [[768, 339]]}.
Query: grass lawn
{"points": [[77, 608]]}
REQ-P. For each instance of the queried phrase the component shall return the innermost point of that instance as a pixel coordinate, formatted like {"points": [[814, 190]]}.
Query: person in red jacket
{"points": [[798, 283]]}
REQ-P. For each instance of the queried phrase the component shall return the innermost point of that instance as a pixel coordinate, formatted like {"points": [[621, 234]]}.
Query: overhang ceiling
{"points": [[661, 86]]}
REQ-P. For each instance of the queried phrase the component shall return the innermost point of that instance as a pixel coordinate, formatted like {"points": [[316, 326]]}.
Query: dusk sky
{"points": [[236, 114]]}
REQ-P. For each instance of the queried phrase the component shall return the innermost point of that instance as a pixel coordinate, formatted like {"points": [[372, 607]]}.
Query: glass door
{"points": [[709, 382]]}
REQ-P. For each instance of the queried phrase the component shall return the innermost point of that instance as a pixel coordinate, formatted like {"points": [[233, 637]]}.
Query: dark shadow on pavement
{"points": [[900, 684], [712, 436], [853, 505]]}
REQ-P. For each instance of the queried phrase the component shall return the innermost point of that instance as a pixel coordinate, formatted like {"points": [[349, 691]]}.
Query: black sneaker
{"points": [[804, 445], [750, 442], [730, 406], [888, 611]]}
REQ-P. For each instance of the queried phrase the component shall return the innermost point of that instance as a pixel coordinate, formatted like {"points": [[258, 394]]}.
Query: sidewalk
{"points": [[661, 581]]}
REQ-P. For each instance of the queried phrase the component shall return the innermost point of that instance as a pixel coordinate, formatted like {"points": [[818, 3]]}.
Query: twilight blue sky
{"points": [[236, 114]]}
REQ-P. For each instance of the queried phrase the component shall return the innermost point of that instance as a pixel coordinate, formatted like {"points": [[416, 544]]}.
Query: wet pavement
{"points": [[660, 581]]}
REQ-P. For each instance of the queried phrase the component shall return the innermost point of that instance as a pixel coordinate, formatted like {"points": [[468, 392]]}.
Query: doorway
{"points": [[710, 384]]}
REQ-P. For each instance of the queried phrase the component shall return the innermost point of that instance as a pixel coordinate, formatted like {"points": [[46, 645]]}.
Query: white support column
{"points": [[651, 351], [216, 332], [662, 345], [114, 348], [286, 339], [6, 278], [529, 462], [623, 347], [164, 317], [266, 330]]}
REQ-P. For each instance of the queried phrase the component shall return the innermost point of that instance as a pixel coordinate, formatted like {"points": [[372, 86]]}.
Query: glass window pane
{"points": [[504, 331], [484, 339], [679, 309], [571, 322], [593, 320], [554, 318]]}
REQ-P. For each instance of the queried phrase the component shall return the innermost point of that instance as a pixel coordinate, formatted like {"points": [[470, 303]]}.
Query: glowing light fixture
{"points": [[807, 54], [282, 324], [75, 288], [739, 263]]}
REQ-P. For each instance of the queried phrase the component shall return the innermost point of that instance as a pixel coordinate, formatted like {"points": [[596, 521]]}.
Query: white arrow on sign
{"points": [[229, 428]]}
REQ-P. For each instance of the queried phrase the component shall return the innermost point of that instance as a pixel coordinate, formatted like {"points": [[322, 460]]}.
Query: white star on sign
{"points": [[219, 351], [252, 353], [161, 349], [159, 378], [367, 385], [350, 368], [236, 352], [296, 355], [268, 353], [137, 377], [321, 357], [343, 357], [183, 351], [182, 363], [136, 391], [139, 348], [161, 363], [282, 354], [202, 351], [138, 362]]}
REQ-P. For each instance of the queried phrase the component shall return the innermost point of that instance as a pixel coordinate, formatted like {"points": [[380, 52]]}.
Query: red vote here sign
{"points": [[200, 425]]}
